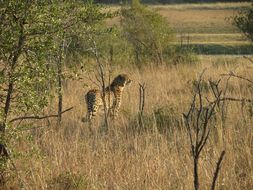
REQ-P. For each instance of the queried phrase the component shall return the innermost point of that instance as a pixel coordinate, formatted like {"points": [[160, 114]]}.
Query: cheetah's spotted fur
{"points": [[113, 94]]}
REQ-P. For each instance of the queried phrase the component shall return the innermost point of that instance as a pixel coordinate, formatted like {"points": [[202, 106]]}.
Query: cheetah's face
{"points": [[123, 80]]}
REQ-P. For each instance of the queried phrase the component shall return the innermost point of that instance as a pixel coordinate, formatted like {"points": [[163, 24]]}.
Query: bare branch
{"points": [[203, 143], [215, 176], [215, 88], [101, 80], [189, 133], [223, 99], [197, 122], [237, 76], [39, 117], [142, 88]]}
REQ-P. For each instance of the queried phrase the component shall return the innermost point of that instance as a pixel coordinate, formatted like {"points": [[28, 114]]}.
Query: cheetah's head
{"points": [[121, 80]]}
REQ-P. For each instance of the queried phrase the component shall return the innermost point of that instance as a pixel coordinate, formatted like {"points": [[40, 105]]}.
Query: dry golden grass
{"points": [[199, 21], [125, 159], [197, 18]]}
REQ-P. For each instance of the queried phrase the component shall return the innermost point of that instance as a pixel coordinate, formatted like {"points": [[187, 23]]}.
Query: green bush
{"points": [[244, 21], [148, 33]]}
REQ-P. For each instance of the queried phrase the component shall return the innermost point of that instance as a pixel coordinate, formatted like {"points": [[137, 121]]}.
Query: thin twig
{"points": [[224, 99]]}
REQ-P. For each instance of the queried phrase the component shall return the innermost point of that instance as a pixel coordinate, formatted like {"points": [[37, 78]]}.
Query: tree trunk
{"points": [[59, 87], [196, 176], [7, 105], [13, 59], [137, 57]]}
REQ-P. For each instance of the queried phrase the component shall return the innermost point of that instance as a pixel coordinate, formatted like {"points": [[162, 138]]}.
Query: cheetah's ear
{"points": [[129, 81]]}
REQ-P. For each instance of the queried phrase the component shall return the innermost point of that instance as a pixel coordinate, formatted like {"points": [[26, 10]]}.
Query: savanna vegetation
{"points": [[185, 121], [168, 1]]}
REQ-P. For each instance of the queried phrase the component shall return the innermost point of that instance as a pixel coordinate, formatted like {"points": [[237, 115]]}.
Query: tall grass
{"points": [[127, 158]]}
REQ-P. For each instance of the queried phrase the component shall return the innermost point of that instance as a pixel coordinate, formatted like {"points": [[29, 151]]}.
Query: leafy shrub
{"points": [[147, 32], [244, 21]]}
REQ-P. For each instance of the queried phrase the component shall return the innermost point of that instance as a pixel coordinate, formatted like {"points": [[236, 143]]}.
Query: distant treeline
{"points": [[167, 1]]}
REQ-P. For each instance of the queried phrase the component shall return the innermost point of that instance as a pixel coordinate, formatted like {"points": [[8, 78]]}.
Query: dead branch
{"points": [[142, 88], [222, 94], [197, 119], [231, 74], [197, 122], [101, 80], [215, 176], [215, 88], [39, 117], [224, 99]]}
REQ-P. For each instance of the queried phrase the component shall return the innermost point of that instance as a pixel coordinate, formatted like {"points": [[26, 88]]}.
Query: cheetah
{"points": [[113, 94]]}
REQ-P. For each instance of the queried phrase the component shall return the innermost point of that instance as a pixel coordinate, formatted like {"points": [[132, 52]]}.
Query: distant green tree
{"points": [[244, 21], [147, 31], [26, 29], [26, 39]]}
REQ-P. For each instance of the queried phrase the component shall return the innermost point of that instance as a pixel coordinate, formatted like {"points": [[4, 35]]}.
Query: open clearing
{"points": [[208, 27]]}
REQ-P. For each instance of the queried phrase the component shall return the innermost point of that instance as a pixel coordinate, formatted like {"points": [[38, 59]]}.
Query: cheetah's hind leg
{"points": [[89, 120], [92, 107]]}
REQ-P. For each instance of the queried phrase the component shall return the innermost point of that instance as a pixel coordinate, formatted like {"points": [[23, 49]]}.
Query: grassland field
{"points": [[205, 27], [159, 158]]}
